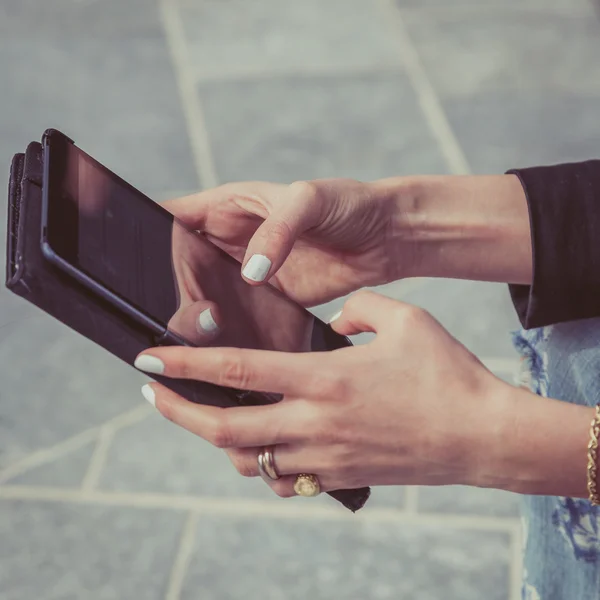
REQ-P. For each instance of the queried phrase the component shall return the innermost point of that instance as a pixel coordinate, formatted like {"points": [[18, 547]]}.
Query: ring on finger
{"points": [[307, 485], [266, 464]]}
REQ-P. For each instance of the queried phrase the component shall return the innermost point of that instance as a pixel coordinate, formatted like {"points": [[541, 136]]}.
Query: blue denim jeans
{"points": [[561, 536]]}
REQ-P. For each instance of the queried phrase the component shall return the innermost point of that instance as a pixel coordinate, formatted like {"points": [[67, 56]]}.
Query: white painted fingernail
{"points": [[335, 317], [257, 267], [148, 393], [149, 364], [207, 323]]}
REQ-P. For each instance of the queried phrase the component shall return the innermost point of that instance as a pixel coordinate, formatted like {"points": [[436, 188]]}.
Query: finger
{"points": [[243, 369], [245, 461], [274, 239], [232, 249], [366, 312], [199, 323], [289, 459], [238, 427], [192, 210]]}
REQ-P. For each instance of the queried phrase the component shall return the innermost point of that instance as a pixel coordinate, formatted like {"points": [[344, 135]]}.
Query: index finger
{"points": [[285, 373], [193, 209]]}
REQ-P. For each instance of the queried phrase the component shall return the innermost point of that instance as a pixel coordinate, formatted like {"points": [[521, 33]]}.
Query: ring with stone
{"points": [[266, 464], [307, 485]]}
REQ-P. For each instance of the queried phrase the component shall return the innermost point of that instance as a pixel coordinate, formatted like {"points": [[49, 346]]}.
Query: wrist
{"points": [[534, 445], [465, 227]]}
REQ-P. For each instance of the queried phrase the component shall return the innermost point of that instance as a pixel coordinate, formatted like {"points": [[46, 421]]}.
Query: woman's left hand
{"points": [[413, 406]]}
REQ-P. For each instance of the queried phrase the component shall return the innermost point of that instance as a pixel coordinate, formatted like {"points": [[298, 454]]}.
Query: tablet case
{"points": [[31, 276]]}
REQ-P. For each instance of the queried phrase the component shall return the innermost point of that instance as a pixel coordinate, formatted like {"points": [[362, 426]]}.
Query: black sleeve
{"points": [[564, 213]]}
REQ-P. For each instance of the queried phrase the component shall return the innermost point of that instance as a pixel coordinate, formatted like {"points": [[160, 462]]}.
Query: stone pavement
{"points": [[102, 499]]}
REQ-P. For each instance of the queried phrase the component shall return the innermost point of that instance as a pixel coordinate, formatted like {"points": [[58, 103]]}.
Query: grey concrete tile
{"points": [[504, 130], [323, 560], [267, 36], [570, 6], [469, 501], [109, 19], [387, 497], [56, 384], [67, 471], [55, 552], [102, 73], [508, 377], [364, 127], [157, 456], [479, 314], [471, 51]]}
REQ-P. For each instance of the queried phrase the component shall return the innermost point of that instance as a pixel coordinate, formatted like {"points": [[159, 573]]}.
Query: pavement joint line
{"points": [[183, 557], [49, 454], [104, 440], [190, 100], [429, 101], [246, 507], [98, 459]]}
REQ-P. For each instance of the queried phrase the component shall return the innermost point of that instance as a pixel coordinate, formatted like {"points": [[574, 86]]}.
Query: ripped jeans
{"points": [[561, 536]]}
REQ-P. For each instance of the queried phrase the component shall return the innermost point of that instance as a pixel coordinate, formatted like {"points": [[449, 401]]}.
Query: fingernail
{"points": [[206, 322], [257, 267], [148, 393], [335, 317], [149, 364]]}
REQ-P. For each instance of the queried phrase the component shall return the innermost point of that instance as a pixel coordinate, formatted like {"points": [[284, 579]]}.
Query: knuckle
{"points": [[185, 364], [305, 190], [324, 434], [308, 194], [357, 300], [242, 466], [344, 460], [233, 372], [321, 425], [222, 436], [279, 231], [330, 385], [409, 315]]}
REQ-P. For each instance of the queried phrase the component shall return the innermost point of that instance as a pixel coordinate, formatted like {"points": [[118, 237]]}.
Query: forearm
{"points": [[535, 445], [464, 227]]}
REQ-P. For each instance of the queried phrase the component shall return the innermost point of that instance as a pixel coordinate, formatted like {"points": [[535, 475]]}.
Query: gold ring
{"points": [[307, 485]]}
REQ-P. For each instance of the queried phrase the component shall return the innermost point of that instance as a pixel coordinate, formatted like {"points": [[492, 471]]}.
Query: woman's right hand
{"points": [[315, 241]]}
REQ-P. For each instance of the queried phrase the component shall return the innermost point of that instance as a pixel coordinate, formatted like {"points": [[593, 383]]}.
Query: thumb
{"points": [[199, 322], [365, 312], [273, 241]]}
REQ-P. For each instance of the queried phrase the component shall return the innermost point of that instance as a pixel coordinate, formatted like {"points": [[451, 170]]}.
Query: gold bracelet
{"points": [[592, 467]]}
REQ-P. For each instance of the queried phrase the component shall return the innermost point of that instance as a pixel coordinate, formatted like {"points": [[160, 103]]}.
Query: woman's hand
{"points": [[411, 407], [315, 241], [216, 306], [323, 239]]}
